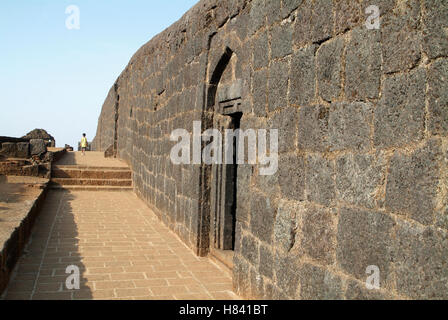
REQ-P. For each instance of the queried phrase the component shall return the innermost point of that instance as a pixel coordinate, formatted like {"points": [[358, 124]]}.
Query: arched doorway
{"points": [[224, 100]]}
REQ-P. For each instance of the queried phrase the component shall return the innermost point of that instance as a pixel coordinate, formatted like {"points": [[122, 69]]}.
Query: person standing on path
{"points": [[83, 144]]}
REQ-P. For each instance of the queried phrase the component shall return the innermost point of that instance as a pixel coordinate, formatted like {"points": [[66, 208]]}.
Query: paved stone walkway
{"points": [[121, 248]]}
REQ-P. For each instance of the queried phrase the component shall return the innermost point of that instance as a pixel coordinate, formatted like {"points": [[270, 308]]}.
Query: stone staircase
{"points": [[78, 177]]}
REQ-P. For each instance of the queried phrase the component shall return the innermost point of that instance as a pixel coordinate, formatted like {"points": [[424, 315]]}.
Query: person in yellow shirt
{"points": [[83, 144]]}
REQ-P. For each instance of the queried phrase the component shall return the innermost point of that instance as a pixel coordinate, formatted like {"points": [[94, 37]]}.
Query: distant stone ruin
{"points": [[361, 193], [29, 155], [41, 134]]}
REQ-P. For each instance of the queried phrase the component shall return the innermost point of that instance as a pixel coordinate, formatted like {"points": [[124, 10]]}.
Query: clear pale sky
{"points": [[57, 79]]}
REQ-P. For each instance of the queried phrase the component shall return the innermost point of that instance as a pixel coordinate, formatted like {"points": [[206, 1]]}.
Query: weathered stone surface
{"points": [[347, 15], [259, 89], [285, 122], [291, 177], [399, 117], [421, 263], [359, 179], [281, 40], [273, 11], [314, 22], [266, 262], [320, 187], [256, 284], [349, 126], [241, 275], [400, 31], [364, 238], [278, 84], [244, 194], [363, 65], [435, 24], [438, 97], [288, 6], [262, 217], [412, 182], [250, 250], [23, 150], [302, 76], [9, 149], [257, 15], [287, 274], [286, 225], [37, 147], [358, 291], [317, 283], [260, 51], [313, 128], [329, 59], [318, 234]]}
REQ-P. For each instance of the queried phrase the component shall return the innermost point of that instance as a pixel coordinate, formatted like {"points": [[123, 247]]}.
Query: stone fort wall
{"points": [[363, 123]]}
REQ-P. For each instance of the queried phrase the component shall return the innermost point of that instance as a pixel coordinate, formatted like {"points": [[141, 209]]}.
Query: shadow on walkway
{"points": [[40, 273]]}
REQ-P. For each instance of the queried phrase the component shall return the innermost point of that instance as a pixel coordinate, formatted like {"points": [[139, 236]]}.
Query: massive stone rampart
{"points": [[363, 121]]}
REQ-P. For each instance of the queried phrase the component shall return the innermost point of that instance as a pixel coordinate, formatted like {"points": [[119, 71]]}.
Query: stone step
{"points": [[91, 174], [92, 182], [90, 168], [90, 188]]}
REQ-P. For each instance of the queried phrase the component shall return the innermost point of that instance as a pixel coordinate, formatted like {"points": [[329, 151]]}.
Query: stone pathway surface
{"points": [[91, 159], [121, 249]]}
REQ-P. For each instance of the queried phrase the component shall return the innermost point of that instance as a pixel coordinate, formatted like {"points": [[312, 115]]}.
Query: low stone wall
{"points": [[12, 248]]}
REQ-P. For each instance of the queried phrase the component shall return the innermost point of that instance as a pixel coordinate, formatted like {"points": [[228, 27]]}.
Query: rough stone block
{"points": [[262, 217], [289, 6], [438, 97], [259, 87], [421, 261], [287, 275], [260, 51], [400, 115], [320, 187], [313, 128], [281, 41], [412, 182], [401, 37], [273, 11], [249, 250], [303, 76], [364, 238], [241, 276], [435, 24], [286, 225], [257, 15], [256, 284], [349, 126], [359, 179], [314, 22], [319, 284], [9, 149], [278, 84], [318, 234], [329, 58], [266, 266], [363, 65], [285, 122], [37, 147], [348, 14], [291, 177]]}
